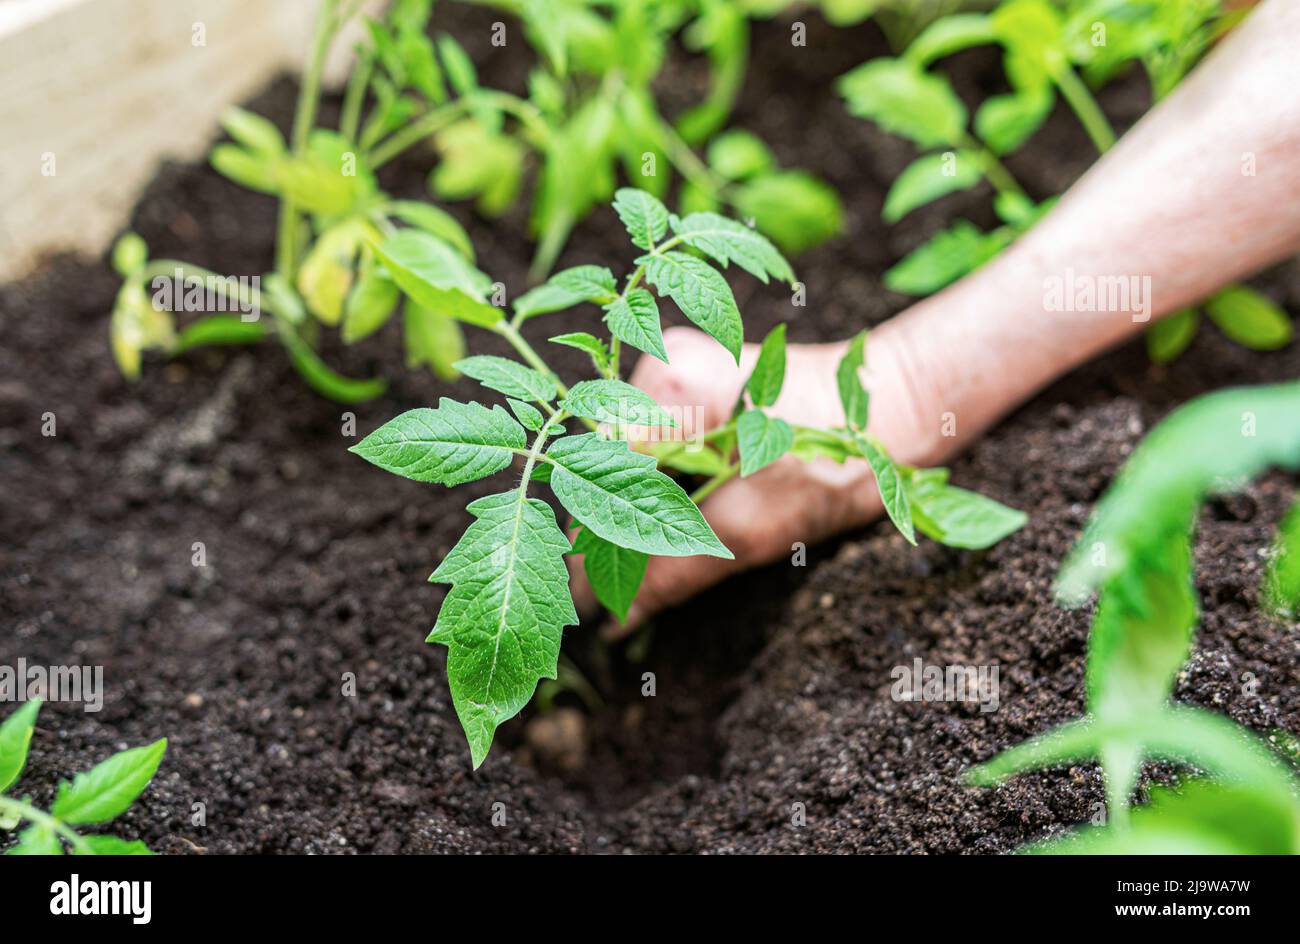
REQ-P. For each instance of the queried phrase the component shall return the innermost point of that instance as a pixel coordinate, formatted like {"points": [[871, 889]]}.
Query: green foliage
{"points": [[508, 606], [1136, 554], [98, 795]]}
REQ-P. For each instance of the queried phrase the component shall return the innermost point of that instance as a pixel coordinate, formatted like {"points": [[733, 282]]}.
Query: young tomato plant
{"points": [[1136, 554], [100, 794], [509, 602], [1043, 47]]}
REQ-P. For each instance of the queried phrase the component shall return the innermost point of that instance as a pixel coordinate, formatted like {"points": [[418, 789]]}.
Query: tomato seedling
{"points": [[509, 601], [96, 796]]}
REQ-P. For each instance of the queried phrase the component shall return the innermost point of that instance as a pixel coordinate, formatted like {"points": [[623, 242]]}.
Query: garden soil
{"points": [[772, 728]]}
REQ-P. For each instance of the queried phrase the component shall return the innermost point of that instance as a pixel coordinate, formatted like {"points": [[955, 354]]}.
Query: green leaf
{"points": [[1200, 818], [37, 840], [889, 481], [1282, 583], [623, 498], [810, 444], [764, 384], [739, 155], [645, 217], [1170, 336], [583, 341], [950, 34], [1033, 33], [506, 376], [634, 320], [219, 330], [615, 573], [905, 100], [438, 278], [613, 401], [450, 445], [691, 458], [796, 209], [15, 737], [478, 162], [853, 396], [1249, 318], [435, 221], [586, 283], [701, 293], [326, 274], [109, 788], [928, 178], [762, 440], [254, 171], [129, 254], [528, 415], [727, 241], [505, 613], [957, 517], [1004, 122], [459, 66], [253, 131], [111, 845], [945, 258], [432, 339], [370, 304]]}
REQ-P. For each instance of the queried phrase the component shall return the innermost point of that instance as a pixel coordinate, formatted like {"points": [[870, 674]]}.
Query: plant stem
{"points": [[354, 98], [429, 123], [995, 171], [32, 814], [709, 487], [688, 163], [1085, 107], [286, 237], [517, 341]]}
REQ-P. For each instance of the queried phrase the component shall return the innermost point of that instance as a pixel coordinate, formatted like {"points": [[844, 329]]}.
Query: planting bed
{"points": [[772, 690]]}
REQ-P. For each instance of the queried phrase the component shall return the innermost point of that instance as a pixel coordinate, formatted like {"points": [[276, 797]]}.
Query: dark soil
{"points": [[772, 690]]}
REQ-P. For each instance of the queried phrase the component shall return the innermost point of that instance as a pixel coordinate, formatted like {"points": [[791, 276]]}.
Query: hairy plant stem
{"points": [[32, 814], [1085, 108], [511, 333]]}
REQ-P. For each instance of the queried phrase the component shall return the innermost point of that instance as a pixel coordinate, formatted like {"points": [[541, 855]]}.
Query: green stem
{"points": [[549, 249], [1085, 107], [354, 98], [689, 165], [995, 171], [286, 237], [32, 814], [517, 341], [429, 123], [713, 484]]}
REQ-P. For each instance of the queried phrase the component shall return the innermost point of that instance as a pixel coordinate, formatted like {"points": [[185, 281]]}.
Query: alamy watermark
{"points": [[70, 683], [234, 293], [966, 683], [1106, 293]]}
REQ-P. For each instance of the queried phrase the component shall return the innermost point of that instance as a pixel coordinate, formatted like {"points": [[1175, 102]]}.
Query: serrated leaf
{"points": [[505, 613], [634, 320], [109, 788], [848, 379], [762, 440], [957, 517], [623, 498], [1249, 318], [928, 178], [508, 377], [945, 258], [1172, 335], [701, 293], [889, 482], [904, 99], [528, 415], [111, 845], [438, 278], [613, 401], [565, 289], [583, 341], [727, 241], [15, 738], [764, 384], [644, 216], [37, 840], [450, 445], [615, 573]]}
